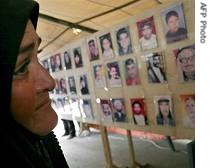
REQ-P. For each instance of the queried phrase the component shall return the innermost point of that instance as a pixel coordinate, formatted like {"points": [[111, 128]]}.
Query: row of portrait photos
{"points": [[174, 30], [114, 110], [110, 72]]}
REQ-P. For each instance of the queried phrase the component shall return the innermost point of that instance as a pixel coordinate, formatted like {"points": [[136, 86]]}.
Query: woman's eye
{"points": [[23, 69]]}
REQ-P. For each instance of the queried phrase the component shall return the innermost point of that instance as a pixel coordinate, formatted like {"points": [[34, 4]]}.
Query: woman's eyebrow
{"points": [[30, 46], [27, 48]]}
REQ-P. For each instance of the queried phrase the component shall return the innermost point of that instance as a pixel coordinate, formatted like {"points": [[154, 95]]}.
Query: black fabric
{"points": [[19, 147]]}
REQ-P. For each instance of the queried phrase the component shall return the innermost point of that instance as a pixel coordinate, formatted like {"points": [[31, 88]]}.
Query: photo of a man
{"points": [[147, 34], [93, 50], [185, 61], [155, 68], [174, 24]]}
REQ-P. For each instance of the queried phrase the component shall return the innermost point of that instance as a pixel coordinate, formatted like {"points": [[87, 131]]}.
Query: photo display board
{"points": [[137, 75]]}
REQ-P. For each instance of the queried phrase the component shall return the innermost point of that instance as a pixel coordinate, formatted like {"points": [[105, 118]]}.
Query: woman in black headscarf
{"points": [[27, 118]]}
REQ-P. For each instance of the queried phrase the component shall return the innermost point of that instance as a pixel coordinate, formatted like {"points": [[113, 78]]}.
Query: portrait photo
{"points": [[188, 109], [119, 113], [99, 75], [131, 72], [156, 71], [57, 86], [52, 63], [63, 88], [139, 111], [67, 60], [164, 110], [93, 51], [72, 85], [46, 65], [58, 63], [83, 84], [147, 34], [78, 57], [106, 46], [174, 24], [86, 108], [124, 43], [185, 63], [106, 109], [114, 77]]}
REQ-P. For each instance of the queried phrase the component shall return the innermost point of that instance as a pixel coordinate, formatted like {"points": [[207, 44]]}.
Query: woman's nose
{"points": [[43, 80]]}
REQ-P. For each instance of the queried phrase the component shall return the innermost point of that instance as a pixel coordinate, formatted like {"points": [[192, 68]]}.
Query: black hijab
{"points": [[20, 147], [14, 15]]}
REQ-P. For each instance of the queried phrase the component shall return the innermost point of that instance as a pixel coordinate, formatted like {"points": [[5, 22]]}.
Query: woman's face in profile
{"points": [[30, 102]]}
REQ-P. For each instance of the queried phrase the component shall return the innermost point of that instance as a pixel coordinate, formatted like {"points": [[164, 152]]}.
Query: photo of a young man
{"points": [[174, 24], [147, 33]]}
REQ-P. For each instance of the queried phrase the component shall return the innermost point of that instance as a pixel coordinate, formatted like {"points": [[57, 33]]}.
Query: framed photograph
{"points": [[131, 72], [188, 108], [99, 75], [63, 88], [67, 60], [58, 63], [114, 77], [119, 113], [147, 33], [106, 108], [86, 108], [78, 57], [93, 51], [57, 86], [185, 62], [46, 65], [155, 68], [52, 63], [72, 85], [174, 23], [106, 46], [123, 38], [139, 111], [83, 83], [164, 110]]}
